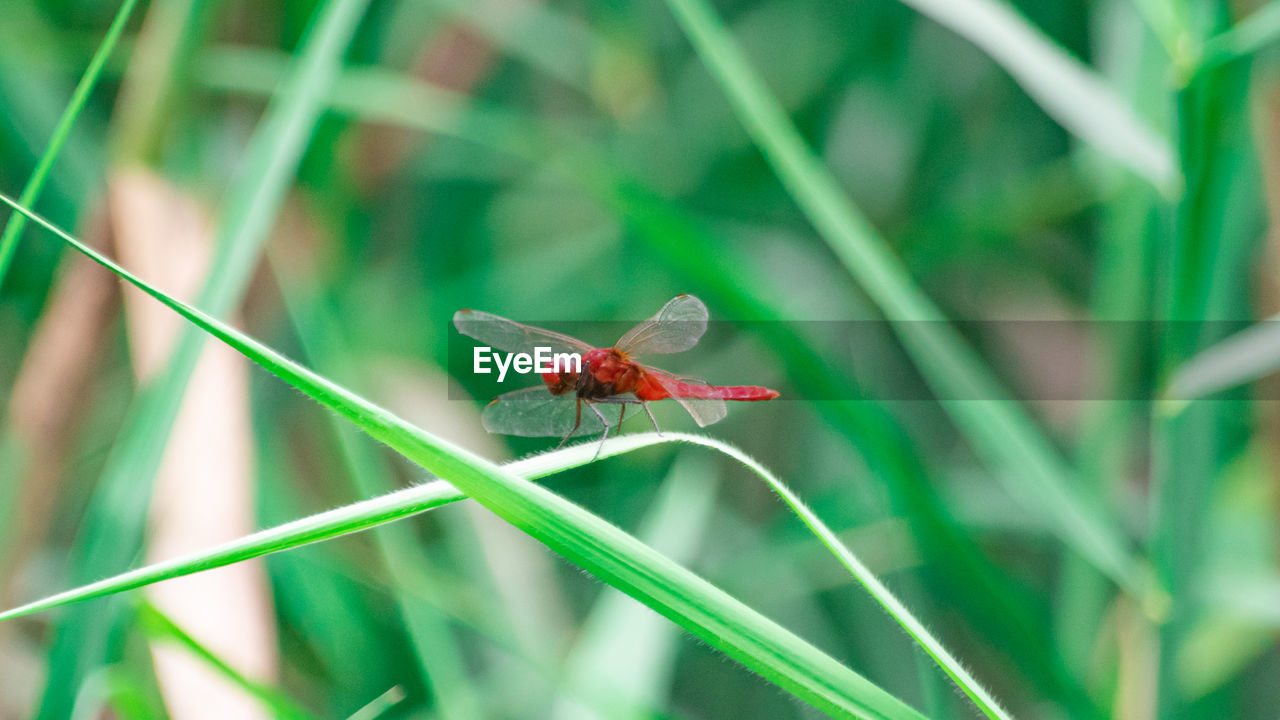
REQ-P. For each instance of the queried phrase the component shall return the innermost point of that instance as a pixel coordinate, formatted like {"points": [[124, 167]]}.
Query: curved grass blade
{"points": [[1064, 87], [35, 184], [610, 554], [949, 664], [420, 498], [997, 427]]}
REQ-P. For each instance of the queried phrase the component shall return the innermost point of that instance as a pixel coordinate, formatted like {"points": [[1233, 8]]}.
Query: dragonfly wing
{"points": [[535, 412], [512, 336], [676, 328], [705, 411]]}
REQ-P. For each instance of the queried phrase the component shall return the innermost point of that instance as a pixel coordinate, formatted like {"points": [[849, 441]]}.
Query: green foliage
{"points": [[587, 540], [908, 167]]}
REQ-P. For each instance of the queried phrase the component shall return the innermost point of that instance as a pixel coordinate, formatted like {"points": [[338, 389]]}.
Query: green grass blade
{"points": [[674, 524], [161, 627], [274, 153], [1209, 241], [35, 184], [439, 659], [1243, 357], [378, 95], [949, 664], [420, 498], [112, 530], [380, 705], [590, 542], [315, 528], [1064, 87], [1248, 36], [996, 603], [1170, 23], [996, 426]]}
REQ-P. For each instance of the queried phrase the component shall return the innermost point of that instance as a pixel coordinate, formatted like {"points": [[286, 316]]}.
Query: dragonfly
{"points": [[607, 375]]}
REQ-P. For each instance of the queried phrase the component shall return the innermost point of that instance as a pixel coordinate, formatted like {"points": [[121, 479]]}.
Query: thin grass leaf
{"points": [[380, 705], [304, 531], [111, 533], [1209, 241], [1064, 87], [949, 664], [612, 555], [1244, 357], [420, 498], [439, 658], [1001, 431], [1247, 37], [61, 131], [161, 627], [674, 524], [1169, 22], [379, 95]]}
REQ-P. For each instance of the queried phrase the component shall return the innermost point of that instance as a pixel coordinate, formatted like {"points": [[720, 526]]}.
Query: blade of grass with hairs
{"points": [[585, 539], [439, 659]]}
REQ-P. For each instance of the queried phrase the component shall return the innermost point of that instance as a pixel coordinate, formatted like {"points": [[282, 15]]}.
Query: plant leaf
{"points": [[612, 555], [35, 184], [1064, 87], [994, 423], [1240, 358], [1247, 37], [111, 534]]}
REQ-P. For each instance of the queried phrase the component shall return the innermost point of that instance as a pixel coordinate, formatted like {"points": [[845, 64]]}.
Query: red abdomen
{"points": [[745, 393], [651, 389]]}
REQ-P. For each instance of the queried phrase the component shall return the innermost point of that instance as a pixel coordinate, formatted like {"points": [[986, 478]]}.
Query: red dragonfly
{"points": [[608, 375]]}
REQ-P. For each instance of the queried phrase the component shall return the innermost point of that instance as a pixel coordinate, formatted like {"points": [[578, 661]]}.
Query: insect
{"points": [[607, 376]]}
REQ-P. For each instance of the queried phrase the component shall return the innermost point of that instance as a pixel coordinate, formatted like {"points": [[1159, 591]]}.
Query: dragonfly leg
{"points": [[622, 412], [652, 419], [577, 420], [603, 437]]}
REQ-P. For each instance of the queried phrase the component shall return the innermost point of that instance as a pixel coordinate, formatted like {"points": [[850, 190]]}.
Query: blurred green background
{"points": [[341, 177]]}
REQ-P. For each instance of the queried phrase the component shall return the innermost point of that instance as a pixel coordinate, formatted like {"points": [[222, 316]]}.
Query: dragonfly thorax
{"points": [[605, 372]]}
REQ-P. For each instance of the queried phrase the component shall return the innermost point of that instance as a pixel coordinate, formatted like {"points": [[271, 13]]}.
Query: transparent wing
{"points": [[676, 328], [535, 412], [705, 411], [512, 336]]}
